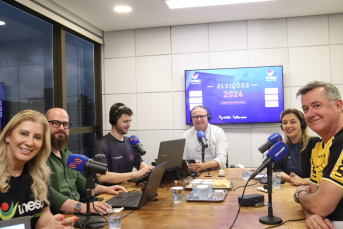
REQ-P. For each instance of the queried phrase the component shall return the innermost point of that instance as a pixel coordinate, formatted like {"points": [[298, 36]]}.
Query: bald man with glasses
{"points": [[216, 153]]}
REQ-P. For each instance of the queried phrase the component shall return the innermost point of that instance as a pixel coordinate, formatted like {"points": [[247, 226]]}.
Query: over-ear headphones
{"points": [[299, 115], [113, 117], [209, 116]]}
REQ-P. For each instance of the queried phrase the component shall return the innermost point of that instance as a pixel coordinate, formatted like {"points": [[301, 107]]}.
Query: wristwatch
{"points": [[78, 207], [296, 195]]}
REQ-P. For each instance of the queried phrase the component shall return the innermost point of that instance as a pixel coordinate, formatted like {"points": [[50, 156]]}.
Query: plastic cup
{"points": [[210, 186], [114, 220], [195, 184], [245, 173], [177, 194], [276, 180], [203, 191]]}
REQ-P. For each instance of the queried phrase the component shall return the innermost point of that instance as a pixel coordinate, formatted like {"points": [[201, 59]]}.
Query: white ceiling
{"points": [[155, 13]]}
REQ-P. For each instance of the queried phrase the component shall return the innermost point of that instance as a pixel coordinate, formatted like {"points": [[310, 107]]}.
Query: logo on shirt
{"points": [[131, 157], [7, 212]]}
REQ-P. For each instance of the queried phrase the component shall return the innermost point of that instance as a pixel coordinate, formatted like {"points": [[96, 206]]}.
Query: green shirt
{"points": [[65, 183]]}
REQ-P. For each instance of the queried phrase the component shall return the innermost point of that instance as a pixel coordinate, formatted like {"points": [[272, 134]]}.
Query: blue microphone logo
{"points": [[75, 163]]}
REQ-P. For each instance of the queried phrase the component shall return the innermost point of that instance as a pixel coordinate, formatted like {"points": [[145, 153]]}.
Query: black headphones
{"points": [[113, 118], [209, 116], [301, 117]]}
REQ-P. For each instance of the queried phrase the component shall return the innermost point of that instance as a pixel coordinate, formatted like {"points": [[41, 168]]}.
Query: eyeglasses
{"points": [[57, 124], [202, 117]]}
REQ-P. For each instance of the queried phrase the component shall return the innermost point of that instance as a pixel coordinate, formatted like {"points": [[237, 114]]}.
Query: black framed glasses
{"points": [[57, 124], [199, 116]]}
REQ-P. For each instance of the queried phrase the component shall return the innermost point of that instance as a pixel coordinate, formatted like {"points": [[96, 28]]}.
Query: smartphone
{"points": [[191, 161]]}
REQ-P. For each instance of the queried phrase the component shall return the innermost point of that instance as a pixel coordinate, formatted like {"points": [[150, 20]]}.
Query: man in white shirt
{"points": [[216, 153]]}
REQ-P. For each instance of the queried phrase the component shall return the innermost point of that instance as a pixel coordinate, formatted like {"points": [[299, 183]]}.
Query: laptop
{"points": [[172, 152], [16, 223], [135, 200]]}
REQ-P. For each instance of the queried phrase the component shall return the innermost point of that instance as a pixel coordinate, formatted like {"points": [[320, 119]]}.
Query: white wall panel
{"points": [[239, 149], [337, 63], [179, 110], [178, 133], [155, 111], [335, 27], [271, 57], [271, 33], [296, 101], [307, 31], [309, 64], [128, 99], [229, 59], [287, 97], [182, 62], [153, 41], [153, 73], [189, 38], [228, 36], [119, 44], [151, 140], [120, 75]]}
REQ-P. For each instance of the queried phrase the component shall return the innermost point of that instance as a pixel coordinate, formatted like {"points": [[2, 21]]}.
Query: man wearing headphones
{"points": [[116, 151], [216, 153]]}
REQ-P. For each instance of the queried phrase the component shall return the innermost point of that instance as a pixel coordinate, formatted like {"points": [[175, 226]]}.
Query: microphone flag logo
{"points": [[77, 161]]}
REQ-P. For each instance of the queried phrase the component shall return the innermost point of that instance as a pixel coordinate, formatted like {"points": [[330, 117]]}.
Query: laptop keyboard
{"points": [[132, 200]]}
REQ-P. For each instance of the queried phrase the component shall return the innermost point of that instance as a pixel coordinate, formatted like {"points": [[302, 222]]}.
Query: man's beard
{"points": [[60, 142], [120, 131]]}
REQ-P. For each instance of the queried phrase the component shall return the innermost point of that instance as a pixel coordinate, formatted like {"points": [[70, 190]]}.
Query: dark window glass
{"points": [[26, 70], [80, 81], [82, 144]]}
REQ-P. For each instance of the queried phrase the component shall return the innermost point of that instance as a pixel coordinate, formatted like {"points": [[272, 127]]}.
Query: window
{"points": [[26, 68], [44, 65]]}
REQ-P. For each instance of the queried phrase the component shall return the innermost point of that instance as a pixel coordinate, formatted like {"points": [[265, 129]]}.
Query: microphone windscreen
{"points": [[278, 151], [201, 134], [77, 162], [134, 140], [274, 138]]}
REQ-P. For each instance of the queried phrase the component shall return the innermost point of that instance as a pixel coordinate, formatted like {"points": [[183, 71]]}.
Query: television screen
{"points": [[236, 95]]}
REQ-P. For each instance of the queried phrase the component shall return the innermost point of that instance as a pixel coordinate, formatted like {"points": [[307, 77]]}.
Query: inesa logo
{"points": [[270, 76], [195, 79]]}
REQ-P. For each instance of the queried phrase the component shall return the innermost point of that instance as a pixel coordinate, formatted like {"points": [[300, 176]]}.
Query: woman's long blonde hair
{"points": [[305, 137], [38, 169]]}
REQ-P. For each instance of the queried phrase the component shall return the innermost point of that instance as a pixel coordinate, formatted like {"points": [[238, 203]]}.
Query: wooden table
{"points": [[165, 214]]}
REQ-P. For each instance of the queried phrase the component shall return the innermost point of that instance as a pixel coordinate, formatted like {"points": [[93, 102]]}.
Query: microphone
{"points": [[137, 145], [82, 163], [275, 154], [202, 139], [272, 139]]}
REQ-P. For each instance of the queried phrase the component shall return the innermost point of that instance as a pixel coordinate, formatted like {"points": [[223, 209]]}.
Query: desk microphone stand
{"points": [[88, 221], [270, 219]]}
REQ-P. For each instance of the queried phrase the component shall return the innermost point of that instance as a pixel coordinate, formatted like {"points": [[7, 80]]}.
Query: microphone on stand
{"points": [[272, 139]]}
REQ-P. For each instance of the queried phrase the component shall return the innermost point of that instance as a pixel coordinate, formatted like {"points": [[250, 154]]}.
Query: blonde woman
{"points": [[24, 149], [296, 166]]}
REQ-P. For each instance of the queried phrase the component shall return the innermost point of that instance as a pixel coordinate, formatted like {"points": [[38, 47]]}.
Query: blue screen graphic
{"points": [[237, 95]]}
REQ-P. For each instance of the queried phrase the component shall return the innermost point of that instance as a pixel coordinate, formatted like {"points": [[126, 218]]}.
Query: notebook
{"points": [[171, 151], [16, 223], [135, 200]]}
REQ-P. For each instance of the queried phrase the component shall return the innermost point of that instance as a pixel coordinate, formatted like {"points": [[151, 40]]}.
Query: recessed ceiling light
{"points": [[175, 4], [122, 9], [2, 23]]}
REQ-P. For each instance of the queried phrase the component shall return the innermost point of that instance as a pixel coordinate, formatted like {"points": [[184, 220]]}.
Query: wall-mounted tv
{"points": [[237, 95]]}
